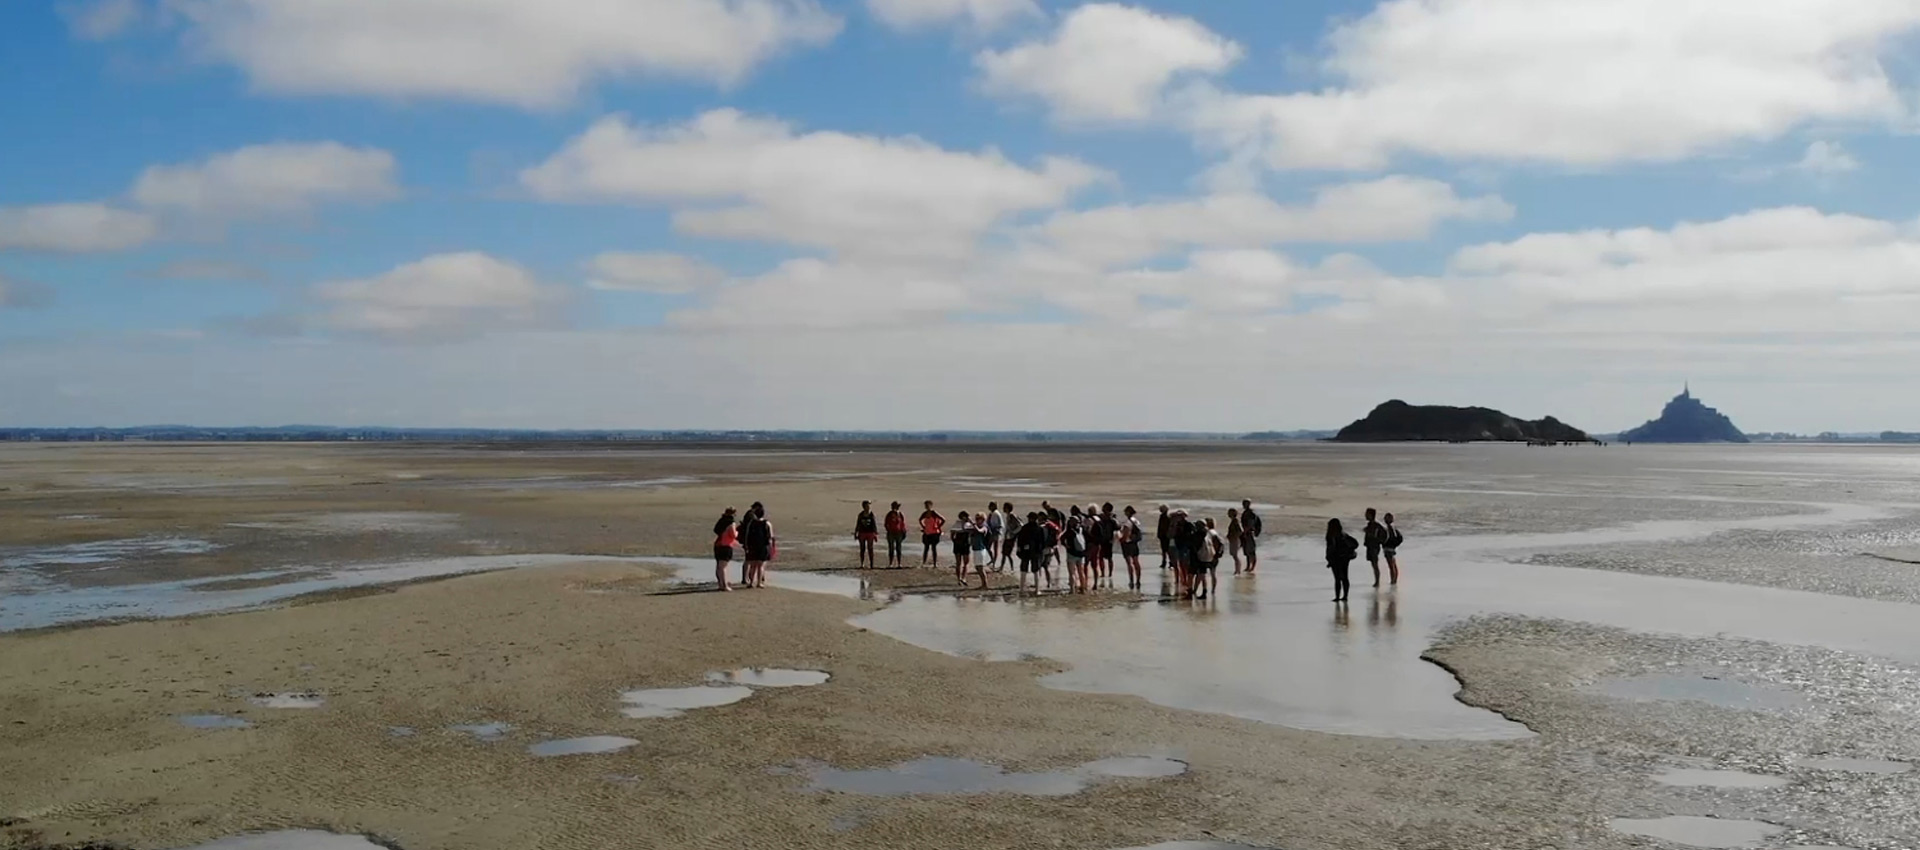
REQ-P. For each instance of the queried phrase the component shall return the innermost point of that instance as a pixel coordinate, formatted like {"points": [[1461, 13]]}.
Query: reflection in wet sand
{"points": [[1699, 831], [931, 775], [1281, 653]]}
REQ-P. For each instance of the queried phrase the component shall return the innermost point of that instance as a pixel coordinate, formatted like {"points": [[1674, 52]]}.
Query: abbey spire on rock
{"points": [[1686, 420]]}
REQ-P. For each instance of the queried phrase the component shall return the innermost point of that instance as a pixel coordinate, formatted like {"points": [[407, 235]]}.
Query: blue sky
{"points": [[783, 213]]}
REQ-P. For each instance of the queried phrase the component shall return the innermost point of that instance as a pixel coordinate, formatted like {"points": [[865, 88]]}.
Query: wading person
{"points": [[1233, 537], [1050, 550], [756, 536], [982, 549], [1341, 550], [996, 525], [725, 534], [1108, 529], [896, 537], [1250, 529], [1165, 535], [1074, 539], [1010, 528], [962, 535], [1029, 541], [1179, 530], [1215, 549], [1193, 543], [866, 530], [1130, 536], [1390, 546], [1373, 537], [931, 524]]}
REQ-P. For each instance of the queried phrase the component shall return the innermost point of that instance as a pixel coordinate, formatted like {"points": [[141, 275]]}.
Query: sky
{"points": [[1228, 215]]}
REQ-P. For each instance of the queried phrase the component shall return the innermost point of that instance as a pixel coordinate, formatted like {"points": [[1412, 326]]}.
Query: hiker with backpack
{"points": [[896, 538], [1130, 536], [1179, 533], [1341, 550], [1050, 529], [756, 536], [1250, 529], [1074, 539], [962, 536], [1010, 528], [1212, 549], [1390, 546], [1372, 539], [725, 534], [996, 525]]}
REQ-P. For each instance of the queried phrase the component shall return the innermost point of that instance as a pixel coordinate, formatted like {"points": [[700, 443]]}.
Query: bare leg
{"points": [[720, 575], [1393, 567], [1374, 562]]}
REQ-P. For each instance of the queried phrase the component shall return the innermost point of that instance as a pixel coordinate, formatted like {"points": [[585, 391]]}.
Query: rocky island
{"points": [[1398, 421], [1686, 420]]}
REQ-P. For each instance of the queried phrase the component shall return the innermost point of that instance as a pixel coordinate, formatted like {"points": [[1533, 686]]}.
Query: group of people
{"points": [[1079, 541], [1380, 539]]}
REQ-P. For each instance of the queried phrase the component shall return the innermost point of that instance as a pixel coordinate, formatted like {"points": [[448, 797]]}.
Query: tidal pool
{"points": [[1698, 831], [212, 721], [581, 746], [291, 839], [673, 702], [932, 775], [767, 677]]}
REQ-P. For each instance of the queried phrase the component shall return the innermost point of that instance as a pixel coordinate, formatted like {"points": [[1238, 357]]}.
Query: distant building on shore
{"points": [[1686, 420]]}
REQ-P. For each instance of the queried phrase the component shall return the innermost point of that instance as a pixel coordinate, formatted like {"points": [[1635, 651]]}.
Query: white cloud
{"points": [[1796, 266], [96, 20], [74, 228], [918, 14], [845, 193], [811, 294], [272, 178], [1389, 209], [1107, 62], [1584, 82], [441, 296], [508, 51], [660, 273], [1827, 159]]}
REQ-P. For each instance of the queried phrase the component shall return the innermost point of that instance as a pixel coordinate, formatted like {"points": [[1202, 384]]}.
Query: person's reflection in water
{"points": [[1341, 619], [1393, 610]]}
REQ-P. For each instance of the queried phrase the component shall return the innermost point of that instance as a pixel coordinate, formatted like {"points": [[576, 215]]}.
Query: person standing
{"points": [[756, 536], [1165, 534], [1074, 539], [1179, 530], [866, 530], [1341, 550], [1215, 549], [996, 526], [1234, 533], [1250, 529], [962, 536], [725, 534], [896, 537], [1373, 537], [1391, 547], [1010, 527], [1050, 550], [1130, 536], [1030, 541], [982, 550], [931, 524]]}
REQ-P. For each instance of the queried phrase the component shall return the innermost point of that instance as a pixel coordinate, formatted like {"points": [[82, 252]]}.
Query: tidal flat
{"points": [[1575, 627]]}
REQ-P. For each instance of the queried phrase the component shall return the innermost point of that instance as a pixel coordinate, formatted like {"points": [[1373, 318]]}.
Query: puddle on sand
{"points": [[1847, 765], [291, 839], [1698, 831], [490, 731], [400, 731], [768, 677], [101, 552], [1246, 654], [49, 603], [1726, 693], [673, 702], [288, 700], [1195, 845], [693, 571], [1687, 777], [212, 721], [388, 522], [581, 746], [931, 775]]}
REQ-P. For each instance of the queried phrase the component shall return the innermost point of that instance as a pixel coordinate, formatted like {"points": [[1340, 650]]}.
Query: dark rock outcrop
{"points": [[1686, 420], [1398, 421]]}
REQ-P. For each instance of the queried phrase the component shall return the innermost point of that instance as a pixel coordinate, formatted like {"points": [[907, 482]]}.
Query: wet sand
{"points": [[546, 647]]}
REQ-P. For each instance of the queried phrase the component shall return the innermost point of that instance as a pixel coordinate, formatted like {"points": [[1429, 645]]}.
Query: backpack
{"points": [[1250, 523], [1393, 538]]}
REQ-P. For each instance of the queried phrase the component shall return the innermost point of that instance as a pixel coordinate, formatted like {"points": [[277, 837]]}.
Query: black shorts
{"points": [[723, 554], [1130, 550], [896, 537], [1029, 564], [1249, 546], [930, 539], [759, 553], [1373, 555]]}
